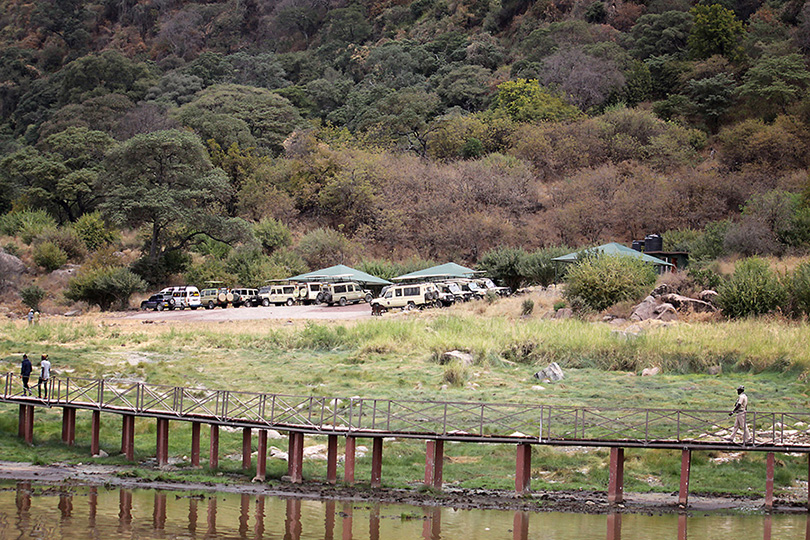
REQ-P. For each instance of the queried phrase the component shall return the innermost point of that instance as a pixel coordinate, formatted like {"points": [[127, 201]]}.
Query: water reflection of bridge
{"points": [[435, 422], [339, 518]]}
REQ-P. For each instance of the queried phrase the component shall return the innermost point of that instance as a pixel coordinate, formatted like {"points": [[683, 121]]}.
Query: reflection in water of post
{"points": [[374, 523], [159, 513], [329, 521], [520, 527], [124, 510], [292, 523], [681, 526], [614, 526], [23, 501], [347, 521], [65, 506], [432, 526], [212, 516], [258, 528], [192, 515], [807, 529], [244, 514], [92, 503], [766, 528]]}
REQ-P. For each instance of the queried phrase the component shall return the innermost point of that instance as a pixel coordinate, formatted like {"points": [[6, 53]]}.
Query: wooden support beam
{"points": [[162, 442], [213, 448], [21, 422], [68, 425], [27, 423], [523, 468], [95, 433], [261, 456], [434, 461], [376, 462], [295, 457], [686, 467], [348, 463], [247, 449], [128, 436], [616, 481], [769, 463], [331, 459], [195, 444]]}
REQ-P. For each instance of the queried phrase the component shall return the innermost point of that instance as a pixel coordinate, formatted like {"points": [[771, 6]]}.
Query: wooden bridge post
{"points": [[808, 492], [68, 425], [616, 481], [213, 448], [162, 453], [246, 448], [21, 422], [523, 469], [331, 459], [26, 427], [195, 444], [261, 456], [95, 430], [295, 457], [348, 463], [128, 436], [769, 463], [376, 462], [434, 460], [686, 466]]}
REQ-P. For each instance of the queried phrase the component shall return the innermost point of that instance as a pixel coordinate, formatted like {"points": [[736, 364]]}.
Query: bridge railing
{"points": [[418, 418]]}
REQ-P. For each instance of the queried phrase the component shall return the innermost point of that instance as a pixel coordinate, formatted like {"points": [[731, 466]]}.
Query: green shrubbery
{"points": [[49, 256], [800, 289], [105, 287], [515, 267], [32, 296], [600, 281], [93, 231], [753, 289], [27, 224]]}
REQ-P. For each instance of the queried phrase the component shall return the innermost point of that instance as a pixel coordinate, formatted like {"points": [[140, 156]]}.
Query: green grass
{"points": [[396, 358]]}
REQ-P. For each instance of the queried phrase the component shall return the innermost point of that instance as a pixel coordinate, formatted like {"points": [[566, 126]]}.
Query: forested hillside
{"points": [[265, 137]]}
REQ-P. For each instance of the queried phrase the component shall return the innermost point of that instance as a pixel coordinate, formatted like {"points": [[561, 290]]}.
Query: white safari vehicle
{"points": [[183, 297], [410, 296], [286, 294]]}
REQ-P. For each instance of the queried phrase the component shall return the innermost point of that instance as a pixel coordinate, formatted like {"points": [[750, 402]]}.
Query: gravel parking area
{"points": [[321, 312]]}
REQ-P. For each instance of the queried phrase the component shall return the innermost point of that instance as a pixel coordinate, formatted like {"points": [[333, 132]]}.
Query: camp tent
{"points": [[613, 249], [447, 270], [340, 271]]}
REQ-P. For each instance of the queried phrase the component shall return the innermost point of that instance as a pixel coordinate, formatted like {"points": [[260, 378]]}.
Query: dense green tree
{"points": [[661, 34], [109, 72], [164, 181], [347, 25], [716, 30], [525, 100], [712, 97], [464, 86], [773, 83]]}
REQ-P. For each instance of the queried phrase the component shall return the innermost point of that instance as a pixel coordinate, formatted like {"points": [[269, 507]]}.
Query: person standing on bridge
{"points": [[25, 373], [44, 376], [739, 420]]}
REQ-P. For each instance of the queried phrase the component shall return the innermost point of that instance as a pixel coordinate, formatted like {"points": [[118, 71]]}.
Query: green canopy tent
{"points": [[447, 270], [340, 271], [613, 248]]}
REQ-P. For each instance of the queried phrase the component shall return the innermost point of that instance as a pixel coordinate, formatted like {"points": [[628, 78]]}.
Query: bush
{"points": [[503, 266], [800, 289], [600, 281], [252, 268], [325, 247], [527, 307], [27, 224], [105, 287], [32, 296], [753, 289], [93, 231], [456, 373], [272, 235], [706, 278], [154, 273], [537, 267], [49, 256], [65, 239]]}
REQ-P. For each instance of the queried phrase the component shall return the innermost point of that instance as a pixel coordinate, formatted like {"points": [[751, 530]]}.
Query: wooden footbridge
{"points": [[436, 422]]}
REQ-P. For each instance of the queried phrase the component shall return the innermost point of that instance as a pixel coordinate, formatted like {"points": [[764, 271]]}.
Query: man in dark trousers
{"points": [[25, 372]]}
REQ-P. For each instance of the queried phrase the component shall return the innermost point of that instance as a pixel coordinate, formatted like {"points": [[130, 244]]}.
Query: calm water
{"points": [[39, 511]]}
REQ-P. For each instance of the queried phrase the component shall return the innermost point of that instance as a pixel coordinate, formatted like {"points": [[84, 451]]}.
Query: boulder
{"points": [[645, 310], [551, 373], [10, 266], [708, 296], [618, 321], [684, 303], [564, 313], [650, 372], [463, 357], [666, 313], [714, 370], [661, 290]]}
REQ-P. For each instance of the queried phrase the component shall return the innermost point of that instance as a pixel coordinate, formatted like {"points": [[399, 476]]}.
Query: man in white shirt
{"points": [[739, 420], [44, 376]]}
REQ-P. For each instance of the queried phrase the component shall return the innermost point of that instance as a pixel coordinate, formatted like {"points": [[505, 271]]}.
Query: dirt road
{"points": [[321, 312]]}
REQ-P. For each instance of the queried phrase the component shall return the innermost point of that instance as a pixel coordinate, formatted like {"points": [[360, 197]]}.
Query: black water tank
{"points": [[653, 242], [638, 245]]}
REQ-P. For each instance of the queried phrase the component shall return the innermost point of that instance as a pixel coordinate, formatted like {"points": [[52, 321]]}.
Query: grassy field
{"points": [[397, 357]]}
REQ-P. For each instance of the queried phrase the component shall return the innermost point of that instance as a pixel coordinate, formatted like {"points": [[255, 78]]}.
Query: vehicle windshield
{"points": [[474, 286], [489, 283], [453, 288]]}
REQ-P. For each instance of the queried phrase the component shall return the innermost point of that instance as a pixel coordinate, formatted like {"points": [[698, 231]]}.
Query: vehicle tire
{"points": [[265, 302], [193, 308], [210, 305], [410, 306], [235, 299], [319, 299], [369, 298], [342, 301], [143, 306], [159, 307], [290, 301]]}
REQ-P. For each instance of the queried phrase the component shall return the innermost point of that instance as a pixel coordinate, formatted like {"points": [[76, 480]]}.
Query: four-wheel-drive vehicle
{"points": [[158, 302], [278, 295], [186, 296], [449, 293], [410, 296], [489, 285], [342, 293], [245, 297], [308, 292], [211, 298]]}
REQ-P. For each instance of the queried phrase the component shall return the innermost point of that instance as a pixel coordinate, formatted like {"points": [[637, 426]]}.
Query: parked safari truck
{"points": [[410, 296], [183, 297], [278, 295]]}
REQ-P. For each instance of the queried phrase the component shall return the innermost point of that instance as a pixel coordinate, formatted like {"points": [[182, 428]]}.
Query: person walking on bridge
{"points": [[25, 373], [739, 420], [45, 376]]}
